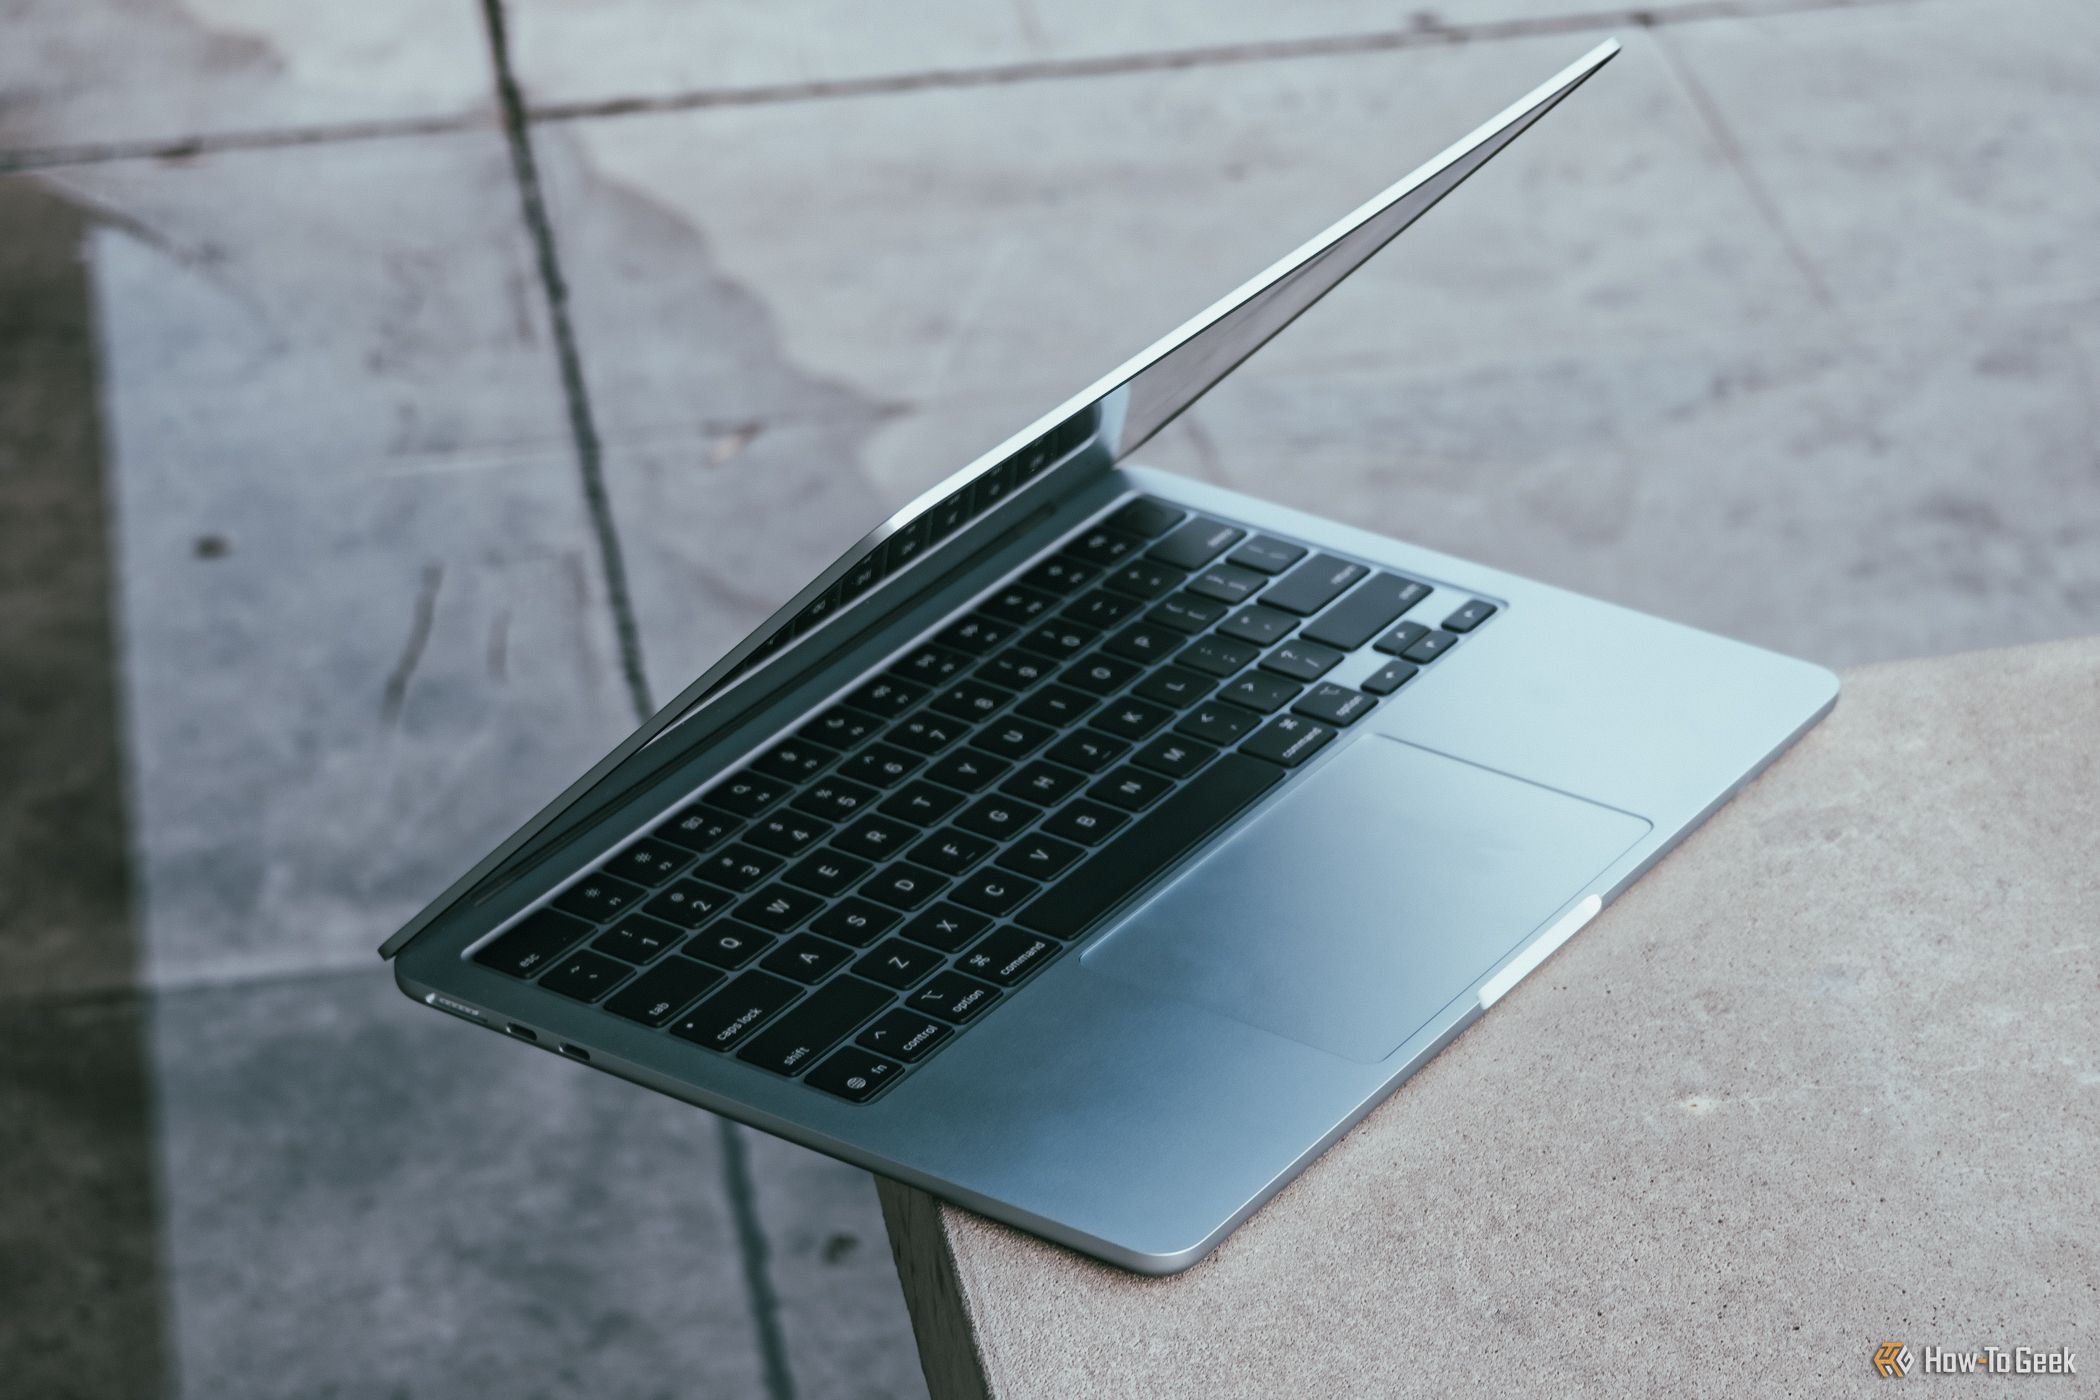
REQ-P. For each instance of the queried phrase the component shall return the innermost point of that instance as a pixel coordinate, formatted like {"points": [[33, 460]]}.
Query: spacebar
{"points": [[1151, 844]]}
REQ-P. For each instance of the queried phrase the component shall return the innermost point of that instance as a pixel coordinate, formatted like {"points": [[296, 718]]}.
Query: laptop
{"points": [[1092, 847]]}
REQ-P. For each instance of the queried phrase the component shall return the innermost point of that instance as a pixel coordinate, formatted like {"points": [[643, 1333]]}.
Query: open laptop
{"points": [[1092, 847]]}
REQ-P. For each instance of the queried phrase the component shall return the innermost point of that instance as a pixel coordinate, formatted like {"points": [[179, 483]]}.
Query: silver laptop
{"points": [[1092, 847]]}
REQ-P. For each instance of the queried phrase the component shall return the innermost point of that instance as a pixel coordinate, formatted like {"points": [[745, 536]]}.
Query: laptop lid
{"points": [[1080, 438]]}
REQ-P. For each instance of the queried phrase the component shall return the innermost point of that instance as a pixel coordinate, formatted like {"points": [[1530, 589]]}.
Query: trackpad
{"points": [[1358, 906]]}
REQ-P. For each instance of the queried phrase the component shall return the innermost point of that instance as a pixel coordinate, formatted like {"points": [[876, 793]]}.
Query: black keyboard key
{"points": [[746, 794], [728, 944], [967, 770], [1196, 543], [690, 903], [698, 829], [1130, 788], [909, 1036], [1216, 656], [1429, 646], [883, 765], [1145, 580], [886, 696], [1058, 706], [807, 958], [853, 1075], [1266, 554], [1086, 821], [1301, 660], [1228, 583], [1016, 670], [1101, 673], [1217, 724], [1401, 638], [826, 1017], [735, 1011], [929, 664], [1131, 718], [1012, 738], [855, 920], [951, 852], [778, 908], [1148, 847], [992, 891], [1087, 751], [1174, 757], [839, 728], [834, 799], [599, 898], [1187, 612], [586, 976], [649, 862], [1368, 610], [537, 939], [1037, 856], [1338, 705], [787, 833], [1043, 782], [903, 886], [1389, 677], [826, 872], [945, 926], [1104, 547], [998, 817], [1059, 639], [1007, 955], [738, 868], [1469, 616], [876, 837], [921, 802], [662, 992], [1019, 604], [953, 997], [1144, 643], [1175, 687], [638, 939], [794, 761], [898, 964], [1060, 575], [1259, 625], [969, 699], [976, 635], [1288, 740], [1100, 609], [927, 732], [1145, 516], [1314, 584]]}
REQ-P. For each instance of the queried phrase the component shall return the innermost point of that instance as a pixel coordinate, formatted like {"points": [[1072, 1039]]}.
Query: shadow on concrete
{"points": [[80, 1267]]}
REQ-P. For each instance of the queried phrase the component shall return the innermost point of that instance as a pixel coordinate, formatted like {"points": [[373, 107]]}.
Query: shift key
{"points": [[836, 1010]]}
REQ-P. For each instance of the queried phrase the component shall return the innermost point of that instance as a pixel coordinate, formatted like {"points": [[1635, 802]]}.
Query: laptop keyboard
{"points": [[861, 893]]}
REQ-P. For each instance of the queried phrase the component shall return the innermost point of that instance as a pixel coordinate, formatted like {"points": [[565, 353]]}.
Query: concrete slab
{"points": [[624, 50], [363, 632], [361, 1197], [82, 75], [1820, 1080]]}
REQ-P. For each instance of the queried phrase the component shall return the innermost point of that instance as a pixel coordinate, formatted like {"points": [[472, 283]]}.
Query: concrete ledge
{"points": [[1826, 1077]]}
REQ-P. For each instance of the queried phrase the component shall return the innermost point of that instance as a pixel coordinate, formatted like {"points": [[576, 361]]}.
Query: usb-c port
{"points": [[576, 1052], [523, 1032]]}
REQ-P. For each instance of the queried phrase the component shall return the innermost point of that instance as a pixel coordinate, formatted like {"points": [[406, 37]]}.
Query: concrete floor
{"points": [[377, 437]]}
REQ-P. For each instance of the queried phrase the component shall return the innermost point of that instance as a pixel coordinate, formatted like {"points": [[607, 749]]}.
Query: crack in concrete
{"points": [[395, 694]]}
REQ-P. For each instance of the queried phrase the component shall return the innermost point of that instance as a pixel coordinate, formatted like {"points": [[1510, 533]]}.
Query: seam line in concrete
{"points": [[1419, 35], [583, 426]]}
